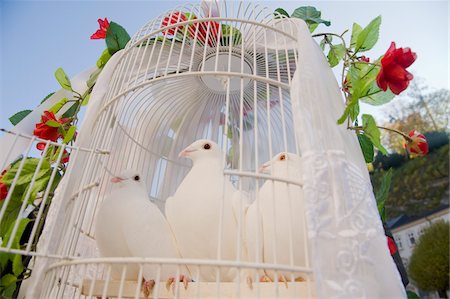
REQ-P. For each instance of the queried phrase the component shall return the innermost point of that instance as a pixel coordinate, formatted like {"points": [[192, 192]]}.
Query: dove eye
{"points": [[282, 157], [207, 146], [137, 178]]}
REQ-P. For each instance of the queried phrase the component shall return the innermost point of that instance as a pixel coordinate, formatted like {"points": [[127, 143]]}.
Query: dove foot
{"points": [[171, 282], [147, 287], [281, 278]]}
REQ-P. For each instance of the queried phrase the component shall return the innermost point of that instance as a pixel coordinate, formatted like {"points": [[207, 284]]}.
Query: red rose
{"points": [[65, 157], [418, 144], [391, 245], [174, 18], [3, 190], [213, 33], [393, 72], [46, 132], [101, 33]]}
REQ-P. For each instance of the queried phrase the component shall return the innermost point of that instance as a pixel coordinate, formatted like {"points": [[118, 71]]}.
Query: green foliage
{"points": [[47, 97], [366, 147], [62, 79], [7, 285], [368, 37], [280, 12], [16, 118], [230, 34], [104, 58], [116, 38], [356, 30], [382, 193], [55, 108], [429, 263], [311, 16], [27, 173], [69, 135], [71, 111], [417, 185], [336, 54], [372, 132], [412, 295]]}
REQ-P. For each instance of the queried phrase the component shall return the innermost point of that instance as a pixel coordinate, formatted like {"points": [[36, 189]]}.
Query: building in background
{"points": [[407, 230]]}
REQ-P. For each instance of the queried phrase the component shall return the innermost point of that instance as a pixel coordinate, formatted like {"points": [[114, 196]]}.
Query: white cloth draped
{"points": [[349, 252]]}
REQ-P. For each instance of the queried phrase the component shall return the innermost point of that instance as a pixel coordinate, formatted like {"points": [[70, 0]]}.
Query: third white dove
{"points": [[128, 224], [204, 198], [277, 218]]}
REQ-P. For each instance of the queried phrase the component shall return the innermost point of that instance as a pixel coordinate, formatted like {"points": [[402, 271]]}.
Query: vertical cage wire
{"points": [[173, 85]]}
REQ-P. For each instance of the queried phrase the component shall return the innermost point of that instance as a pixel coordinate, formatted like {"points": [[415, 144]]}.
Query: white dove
{"points": [[128, 224], [280, 219], [203, 199]]}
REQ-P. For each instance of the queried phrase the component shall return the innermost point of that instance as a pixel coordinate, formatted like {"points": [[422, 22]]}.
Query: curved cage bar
{"points": [[221, 72]]}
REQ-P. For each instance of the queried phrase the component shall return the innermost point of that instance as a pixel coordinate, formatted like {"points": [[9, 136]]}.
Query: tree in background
{"points": [[424, 110], [429, 264]]}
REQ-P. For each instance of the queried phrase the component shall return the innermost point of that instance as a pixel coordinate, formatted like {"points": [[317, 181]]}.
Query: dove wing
{"points": [[148, 234]]}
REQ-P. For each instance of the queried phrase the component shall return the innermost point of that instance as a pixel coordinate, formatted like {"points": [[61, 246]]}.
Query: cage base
{"points": [[301, 290]]}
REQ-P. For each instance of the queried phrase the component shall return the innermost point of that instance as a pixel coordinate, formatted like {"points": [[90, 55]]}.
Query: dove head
{"points": [[202, 149], [282, 163], [128, 177]]}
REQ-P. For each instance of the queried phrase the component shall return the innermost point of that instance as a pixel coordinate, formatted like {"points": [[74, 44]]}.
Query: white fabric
{"points": [[349, 252]]}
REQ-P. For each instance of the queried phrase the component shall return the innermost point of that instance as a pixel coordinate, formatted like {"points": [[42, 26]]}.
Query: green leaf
{"points": [[93, 78], [362, 79], [356, 30], [69, 135], [5, 257], [86, 100], [376, 96], [337, 52], [353, 110], [366, 147], [368, 37], [116, 37], [16, 118], [71, 111], [371, 130], [412, 295], [52, 123], [230, 34], [322, 43], [382, 193], [27, 171], [7, 292], [280, 12], [311, 16], [101, 62], [7, 280], [344, 116], [55, 108], [11, 214], [39, 185], [47, 97], [62, 79], [17, 264]]}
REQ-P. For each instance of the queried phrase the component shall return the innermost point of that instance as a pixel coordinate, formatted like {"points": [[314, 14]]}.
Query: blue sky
{"points": [[37, 37]]}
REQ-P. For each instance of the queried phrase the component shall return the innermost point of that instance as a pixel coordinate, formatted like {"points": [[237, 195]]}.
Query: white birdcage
{"points": [[257, 85]]}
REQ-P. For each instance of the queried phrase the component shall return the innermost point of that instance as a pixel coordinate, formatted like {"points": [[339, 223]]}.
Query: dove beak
{"points": [[186, 151], [116, 180]]}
